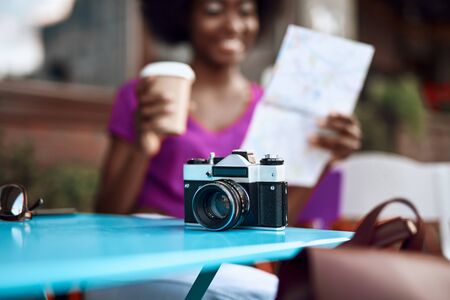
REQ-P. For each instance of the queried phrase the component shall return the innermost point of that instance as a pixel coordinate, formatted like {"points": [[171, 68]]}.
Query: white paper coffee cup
{"points": [[175, 80]]}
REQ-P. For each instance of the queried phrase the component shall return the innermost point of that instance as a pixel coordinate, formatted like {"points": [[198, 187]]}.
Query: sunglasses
{"points": [[14, 203]]}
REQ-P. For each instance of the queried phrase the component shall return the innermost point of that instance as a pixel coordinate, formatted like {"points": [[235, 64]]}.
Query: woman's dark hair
{"points": [[168, 19]]}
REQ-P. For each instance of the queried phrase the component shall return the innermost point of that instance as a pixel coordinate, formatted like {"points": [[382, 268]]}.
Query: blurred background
{"points": [[62, 60]]}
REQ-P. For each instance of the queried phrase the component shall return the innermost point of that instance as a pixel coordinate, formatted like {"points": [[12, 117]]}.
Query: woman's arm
{"points": [[126, 164], [123, 173], [298, 197], [346, 139]]}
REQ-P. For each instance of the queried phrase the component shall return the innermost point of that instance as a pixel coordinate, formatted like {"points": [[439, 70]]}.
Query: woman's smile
{"points": [[233, 45]]}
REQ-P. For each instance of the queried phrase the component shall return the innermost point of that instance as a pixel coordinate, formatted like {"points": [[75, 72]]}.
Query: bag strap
{"points": [[365, 232]]}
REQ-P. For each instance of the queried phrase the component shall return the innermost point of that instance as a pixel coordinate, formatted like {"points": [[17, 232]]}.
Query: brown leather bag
{"points": [[359, 269]]}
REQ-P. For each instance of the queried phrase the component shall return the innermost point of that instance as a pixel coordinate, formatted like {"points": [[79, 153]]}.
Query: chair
{"points": [[444, 201], [371, 177]]}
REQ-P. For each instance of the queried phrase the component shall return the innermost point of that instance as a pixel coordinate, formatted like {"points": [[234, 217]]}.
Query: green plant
{"points": [[390, 103], [18, 164], [66, 185]]}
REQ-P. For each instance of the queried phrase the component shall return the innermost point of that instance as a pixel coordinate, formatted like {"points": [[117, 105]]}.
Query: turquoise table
{"points": [[59, 253]]}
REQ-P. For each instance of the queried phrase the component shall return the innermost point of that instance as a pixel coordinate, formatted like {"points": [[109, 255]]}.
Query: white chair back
{"points": [[443, 192], [372, 177]]}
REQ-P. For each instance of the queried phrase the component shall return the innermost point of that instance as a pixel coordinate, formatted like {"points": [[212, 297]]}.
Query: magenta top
{"points": [[163, 184]]}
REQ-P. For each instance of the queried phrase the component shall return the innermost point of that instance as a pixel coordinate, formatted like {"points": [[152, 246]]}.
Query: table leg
{"points": [[202, 283]]}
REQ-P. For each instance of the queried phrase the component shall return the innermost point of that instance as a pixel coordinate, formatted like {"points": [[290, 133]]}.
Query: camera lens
{"points": [[220, 205]]}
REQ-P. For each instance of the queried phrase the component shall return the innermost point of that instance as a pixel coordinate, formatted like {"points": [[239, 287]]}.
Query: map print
{"points": [[314, 74]]}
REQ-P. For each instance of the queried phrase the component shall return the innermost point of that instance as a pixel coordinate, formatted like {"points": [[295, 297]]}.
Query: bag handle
{"points": [[365, 232]]}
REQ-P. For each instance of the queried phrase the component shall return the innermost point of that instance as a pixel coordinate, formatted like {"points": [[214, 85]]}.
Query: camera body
{"points": [[234, 191]]}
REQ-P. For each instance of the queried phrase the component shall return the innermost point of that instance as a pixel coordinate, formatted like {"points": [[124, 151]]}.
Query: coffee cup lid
{"points": [[168, 68]]}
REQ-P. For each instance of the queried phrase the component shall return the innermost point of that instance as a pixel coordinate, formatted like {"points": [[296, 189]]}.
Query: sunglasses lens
{"points": [[12, 200]]}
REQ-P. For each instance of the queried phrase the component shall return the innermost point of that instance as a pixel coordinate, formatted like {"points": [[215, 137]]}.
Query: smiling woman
{"points": [[222, 103], [221, 33], [138, 178]]}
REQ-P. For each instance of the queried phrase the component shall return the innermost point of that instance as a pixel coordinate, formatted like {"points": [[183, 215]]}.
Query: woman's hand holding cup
{"points": [[151, 108], [163, 92]]}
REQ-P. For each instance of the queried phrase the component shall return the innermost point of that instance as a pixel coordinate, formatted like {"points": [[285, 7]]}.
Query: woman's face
{"points": [[222, 31]]}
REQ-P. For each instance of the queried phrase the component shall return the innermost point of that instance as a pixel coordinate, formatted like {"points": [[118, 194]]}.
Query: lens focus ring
{"points": [[220, 205]]}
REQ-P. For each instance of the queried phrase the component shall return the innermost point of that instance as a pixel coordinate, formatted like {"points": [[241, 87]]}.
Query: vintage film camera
{"points": [[225, 192]]}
